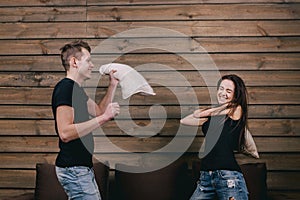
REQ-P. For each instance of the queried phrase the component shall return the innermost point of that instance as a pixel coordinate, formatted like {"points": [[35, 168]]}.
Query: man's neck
{"points": [[75, 78]]}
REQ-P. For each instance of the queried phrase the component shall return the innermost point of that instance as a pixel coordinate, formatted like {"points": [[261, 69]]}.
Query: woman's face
{"points": [[226, 91]]}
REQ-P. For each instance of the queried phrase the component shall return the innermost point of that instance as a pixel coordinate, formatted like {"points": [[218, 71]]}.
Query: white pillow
{"points": [[249, 147], [131, 81]]}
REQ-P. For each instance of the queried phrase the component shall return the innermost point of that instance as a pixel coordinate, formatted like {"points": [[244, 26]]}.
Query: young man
{"points": [[72, 109]]}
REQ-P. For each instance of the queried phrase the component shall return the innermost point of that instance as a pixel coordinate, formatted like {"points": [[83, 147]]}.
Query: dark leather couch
{"points": [[174, 182]]}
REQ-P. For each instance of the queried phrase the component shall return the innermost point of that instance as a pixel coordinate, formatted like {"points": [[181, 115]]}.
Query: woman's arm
{"points": [[191, 120], [200, 116], [219, 110]]}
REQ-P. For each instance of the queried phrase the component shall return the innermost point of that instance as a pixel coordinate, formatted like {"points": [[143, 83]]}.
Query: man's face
{"points": [[85, 65]]}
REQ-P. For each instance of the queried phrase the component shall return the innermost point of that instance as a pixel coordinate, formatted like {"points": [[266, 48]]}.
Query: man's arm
{"points": [[69, 131], [98, 109]]}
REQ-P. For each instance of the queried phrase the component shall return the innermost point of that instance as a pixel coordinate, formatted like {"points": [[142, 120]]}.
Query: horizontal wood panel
{"points": [[196, 28], [26, 179], [158, 45], [158, 78], [25, 160], [39, 14], [171, 95], [150, 13], [188, 28], [135, 144], [145, 2], [245, 61], [17, 179], [258, 127], [142, 112], [192, 12], [274, 161], [9, 194], [257, 40], [20, 3]]}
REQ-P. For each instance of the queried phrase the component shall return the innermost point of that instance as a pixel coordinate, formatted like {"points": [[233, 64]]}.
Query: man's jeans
{"points": [[225, 184], [78, 182]]}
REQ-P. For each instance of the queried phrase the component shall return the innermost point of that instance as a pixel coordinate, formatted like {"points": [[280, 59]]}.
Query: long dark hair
{"points": [[240, 98]]}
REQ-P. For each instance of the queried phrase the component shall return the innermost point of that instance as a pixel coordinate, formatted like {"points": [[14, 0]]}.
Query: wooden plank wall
{"points": [[258, 40]]}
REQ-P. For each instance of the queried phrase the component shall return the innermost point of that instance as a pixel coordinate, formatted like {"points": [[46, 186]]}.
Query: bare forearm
{"points": [[219, 110], [74, 131], [107, 99], [190, 120]]}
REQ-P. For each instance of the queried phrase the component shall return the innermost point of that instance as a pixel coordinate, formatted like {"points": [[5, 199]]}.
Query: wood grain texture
{"points": [[194, 43], [45, 144], [258, 127], [192, 12], [154, 45], [142, 112], [23, 30], [170, 78], [257, 95], [178, 62]]}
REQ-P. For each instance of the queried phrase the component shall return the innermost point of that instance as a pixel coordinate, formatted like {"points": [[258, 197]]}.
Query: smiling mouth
{"points": [[222, 99]]}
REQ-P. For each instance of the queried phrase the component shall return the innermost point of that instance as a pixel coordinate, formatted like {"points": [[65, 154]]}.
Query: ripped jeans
{"points": [[224, 184]]}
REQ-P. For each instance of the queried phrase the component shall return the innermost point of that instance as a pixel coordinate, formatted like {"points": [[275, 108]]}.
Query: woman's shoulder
{"points": [[237, 114]]}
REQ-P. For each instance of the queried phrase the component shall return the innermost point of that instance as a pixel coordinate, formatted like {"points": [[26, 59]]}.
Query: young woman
{"points": [[224, 129]]}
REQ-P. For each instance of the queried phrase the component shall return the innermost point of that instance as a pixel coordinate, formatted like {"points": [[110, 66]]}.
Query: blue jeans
{"points": [[224, 184], [78, 182]]}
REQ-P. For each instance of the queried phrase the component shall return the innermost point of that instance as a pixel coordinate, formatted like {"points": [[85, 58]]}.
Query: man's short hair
{"points": [[73, 49]]}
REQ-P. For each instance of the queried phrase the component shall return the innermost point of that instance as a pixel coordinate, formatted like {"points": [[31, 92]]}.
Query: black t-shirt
{"points": [[222, 139], [77, 152]]}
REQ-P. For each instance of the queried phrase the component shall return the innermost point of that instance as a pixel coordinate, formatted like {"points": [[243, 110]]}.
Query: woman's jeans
{"points": [[225, 184], [78, 182]]}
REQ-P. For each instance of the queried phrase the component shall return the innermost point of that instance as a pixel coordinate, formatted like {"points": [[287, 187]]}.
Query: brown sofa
{"points": [[174, 182]]}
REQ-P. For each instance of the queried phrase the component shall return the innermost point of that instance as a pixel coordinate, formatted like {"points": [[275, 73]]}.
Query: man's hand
{"points": [[113, 80], [112, 110]]}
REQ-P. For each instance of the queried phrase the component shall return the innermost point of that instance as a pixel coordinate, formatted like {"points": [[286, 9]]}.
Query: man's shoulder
{"points": [[64, 83]]}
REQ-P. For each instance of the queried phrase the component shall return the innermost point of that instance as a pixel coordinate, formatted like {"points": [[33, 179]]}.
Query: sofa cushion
{"points": [[255, 175], [169, 183], [48, 188]]}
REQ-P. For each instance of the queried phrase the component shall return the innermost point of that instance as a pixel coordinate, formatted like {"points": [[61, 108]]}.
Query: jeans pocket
{"points": [[86, 180], [80, 171], [227, 174]]}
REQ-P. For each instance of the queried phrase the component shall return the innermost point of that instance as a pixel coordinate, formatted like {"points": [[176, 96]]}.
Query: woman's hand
{"points": [[219, 110]]}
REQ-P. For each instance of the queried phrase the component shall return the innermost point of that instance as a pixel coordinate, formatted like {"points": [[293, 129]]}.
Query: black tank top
{"points": [[222, 139]]}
